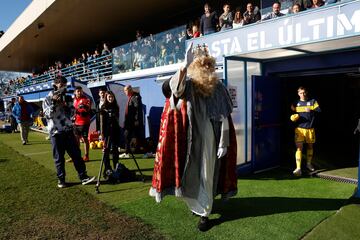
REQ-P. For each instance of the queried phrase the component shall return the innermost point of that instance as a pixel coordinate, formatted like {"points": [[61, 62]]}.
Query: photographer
{"points": [[57, 110], [82, 107], [110, 131]]}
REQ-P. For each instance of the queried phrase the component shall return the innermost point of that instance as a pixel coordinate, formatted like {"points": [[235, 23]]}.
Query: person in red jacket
{"points": [[82, 107]]}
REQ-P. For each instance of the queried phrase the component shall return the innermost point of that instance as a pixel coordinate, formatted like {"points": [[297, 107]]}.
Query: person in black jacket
{"points": [[208, 21], [110, 131], [99, 103], [134, 120]]}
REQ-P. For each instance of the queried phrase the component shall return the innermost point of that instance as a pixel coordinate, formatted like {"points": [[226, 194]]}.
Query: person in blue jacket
{"points": [[22, 112]]}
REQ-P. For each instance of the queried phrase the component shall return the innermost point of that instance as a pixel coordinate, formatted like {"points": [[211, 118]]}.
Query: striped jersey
{"points": [[306, 110]]}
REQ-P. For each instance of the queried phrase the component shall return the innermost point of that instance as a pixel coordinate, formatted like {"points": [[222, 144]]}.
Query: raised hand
{"points": [[189, 56]]}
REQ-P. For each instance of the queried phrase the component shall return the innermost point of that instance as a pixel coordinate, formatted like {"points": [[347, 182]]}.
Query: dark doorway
{"points": [[339, 98]]}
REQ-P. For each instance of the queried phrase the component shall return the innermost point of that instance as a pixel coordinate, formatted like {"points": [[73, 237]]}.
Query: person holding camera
{"points": [[82, 107], [226, 19], [110, 131], [251, 15], [57, 109]]}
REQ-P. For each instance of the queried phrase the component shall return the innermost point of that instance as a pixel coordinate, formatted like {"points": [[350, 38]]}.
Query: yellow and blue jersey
{"points": [[306, 110]]}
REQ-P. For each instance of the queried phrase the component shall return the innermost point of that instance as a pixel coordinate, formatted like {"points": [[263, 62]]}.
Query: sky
{"points": [[10, 10]]}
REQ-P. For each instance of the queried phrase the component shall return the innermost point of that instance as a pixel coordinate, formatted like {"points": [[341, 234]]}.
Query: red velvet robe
{"points": [[171, 156], [171, 149]]}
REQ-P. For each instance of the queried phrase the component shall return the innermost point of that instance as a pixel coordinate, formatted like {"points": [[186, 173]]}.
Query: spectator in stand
{"points": [[182, 37], [105, 50], [89, 57], [74, 61], [22, 111], [195, 31], [295, 8], [178, 54], [189, 33], [252, 15], [226, 18], [208, 21], [82, 59], [304, 4], [238, 20], [138, 35], [317, 3], [276, 7], [162, 54], [82, 107], [327, 2], [96, 54]]}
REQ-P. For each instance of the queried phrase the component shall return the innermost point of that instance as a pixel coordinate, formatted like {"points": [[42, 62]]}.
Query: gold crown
{"points": [[201, 50]]}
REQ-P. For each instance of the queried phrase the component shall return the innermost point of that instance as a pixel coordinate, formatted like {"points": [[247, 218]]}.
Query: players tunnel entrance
{"points": [[264, 89]]}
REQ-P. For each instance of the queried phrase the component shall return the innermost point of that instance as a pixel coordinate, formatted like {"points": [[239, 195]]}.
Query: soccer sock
{"points": [[309, 155], [298, 159]]}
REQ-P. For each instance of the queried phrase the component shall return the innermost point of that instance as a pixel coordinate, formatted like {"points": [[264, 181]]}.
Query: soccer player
{"points": [[305, 112]]}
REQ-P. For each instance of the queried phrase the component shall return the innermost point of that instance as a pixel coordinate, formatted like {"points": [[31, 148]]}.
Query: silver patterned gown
{"points": [[208, 130]]}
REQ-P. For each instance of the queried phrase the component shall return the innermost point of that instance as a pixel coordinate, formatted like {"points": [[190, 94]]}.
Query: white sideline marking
{"points": [[36, 153]]}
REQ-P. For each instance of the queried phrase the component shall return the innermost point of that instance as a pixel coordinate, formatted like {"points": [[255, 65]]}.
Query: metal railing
{"points": [[96, 69], [157, 50]]}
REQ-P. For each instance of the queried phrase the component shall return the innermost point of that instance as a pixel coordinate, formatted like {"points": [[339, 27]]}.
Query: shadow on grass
{"points": [[115, 190], [237, 208]]}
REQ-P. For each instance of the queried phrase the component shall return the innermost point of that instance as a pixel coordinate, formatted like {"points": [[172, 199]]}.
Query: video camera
{"points": [[61, 93]]}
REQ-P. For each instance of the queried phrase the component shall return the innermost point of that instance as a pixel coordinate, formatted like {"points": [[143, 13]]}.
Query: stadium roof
{"points": [[50, 30]]}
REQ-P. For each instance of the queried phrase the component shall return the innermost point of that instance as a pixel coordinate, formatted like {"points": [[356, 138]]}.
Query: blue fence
{"points": [[93, 70]]}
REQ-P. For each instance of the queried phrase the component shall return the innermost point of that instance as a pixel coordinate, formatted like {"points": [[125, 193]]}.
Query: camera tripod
{"points": [[106, 154]]}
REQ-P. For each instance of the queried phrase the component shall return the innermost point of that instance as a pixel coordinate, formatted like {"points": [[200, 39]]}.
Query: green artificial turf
{"points": [[343, 225], [271, 205], [351, 172], [32, 207]]}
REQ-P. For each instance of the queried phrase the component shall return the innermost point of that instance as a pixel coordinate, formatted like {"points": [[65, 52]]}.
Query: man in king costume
{"points": [[196, 153]]}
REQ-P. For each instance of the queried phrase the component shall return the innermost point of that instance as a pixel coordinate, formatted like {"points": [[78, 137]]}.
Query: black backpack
{"points": [[122, 174]]}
